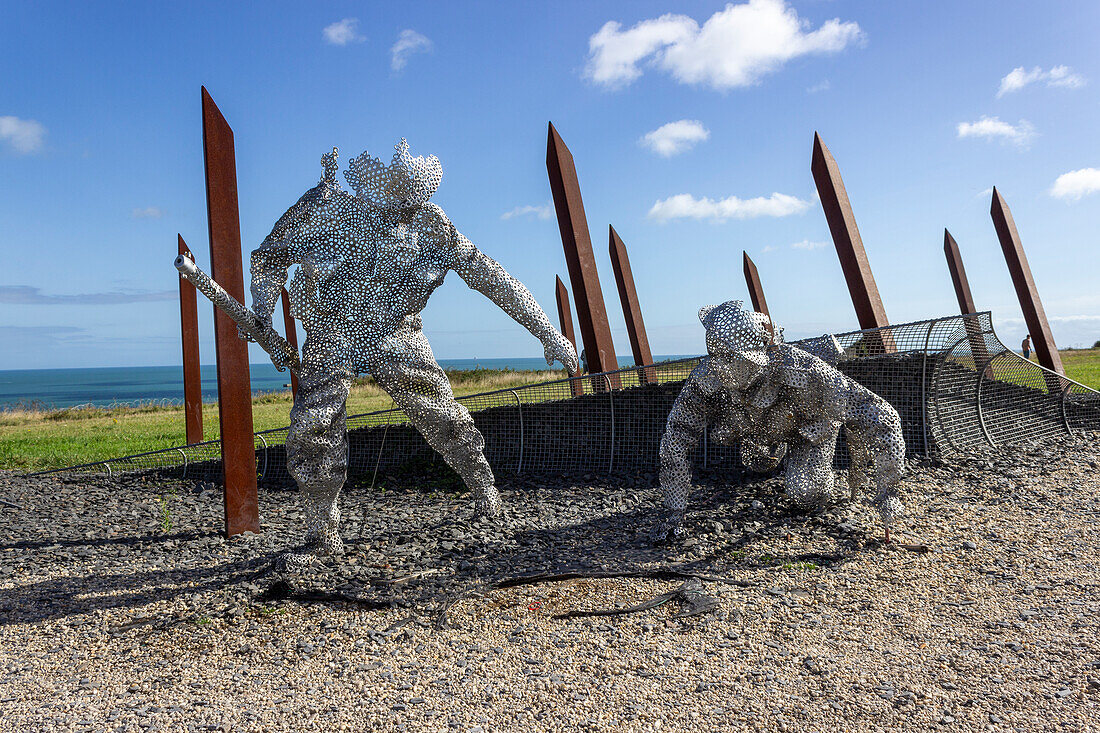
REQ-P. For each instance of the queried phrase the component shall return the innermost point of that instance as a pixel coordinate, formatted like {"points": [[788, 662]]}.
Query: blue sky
{"points": [[691, 124]]}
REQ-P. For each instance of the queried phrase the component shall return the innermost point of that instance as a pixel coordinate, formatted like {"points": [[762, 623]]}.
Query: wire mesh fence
{"points": [[954, 385]]}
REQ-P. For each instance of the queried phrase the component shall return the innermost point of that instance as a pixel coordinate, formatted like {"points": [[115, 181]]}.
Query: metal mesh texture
{"points": [[954, 385]]}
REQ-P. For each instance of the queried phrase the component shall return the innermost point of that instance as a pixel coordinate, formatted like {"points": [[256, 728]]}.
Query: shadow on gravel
{"points": [[421, 553], [432, 563], [59, 598], [132, 540]]}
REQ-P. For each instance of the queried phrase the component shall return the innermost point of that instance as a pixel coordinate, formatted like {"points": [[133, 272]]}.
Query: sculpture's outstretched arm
{"points": [[876, 428], [484, 274], [685, 426]]}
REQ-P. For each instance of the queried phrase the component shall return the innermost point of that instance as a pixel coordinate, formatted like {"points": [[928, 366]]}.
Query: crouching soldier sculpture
{"points": [[367, 264], [779, 400]]}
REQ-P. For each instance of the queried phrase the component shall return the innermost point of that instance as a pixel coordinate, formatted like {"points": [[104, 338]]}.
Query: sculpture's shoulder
{"points": [[702, 382], [430, 220], [799, 369], [320, 209]]}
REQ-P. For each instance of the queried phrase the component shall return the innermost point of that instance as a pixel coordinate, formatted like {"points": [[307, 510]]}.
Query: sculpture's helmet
{"points": [[405, 183], [738, 334]]}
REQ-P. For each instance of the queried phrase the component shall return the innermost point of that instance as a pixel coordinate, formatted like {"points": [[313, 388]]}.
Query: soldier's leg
{"points": [[809, 474], [316, 449], [421, 389]]}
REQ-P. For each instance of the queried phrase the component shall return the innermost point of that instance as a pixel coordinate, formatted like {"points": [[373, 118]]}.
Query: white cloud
{"points": [[343, 32], [808, 245], [1075, 184], [408, 43], [675, 137], [1058, 76], [768, 248], [993, 128], [542, 212], [1063, 76], [686, 206], [735, 47], [819, 87], [23, 136], [149, 212]]}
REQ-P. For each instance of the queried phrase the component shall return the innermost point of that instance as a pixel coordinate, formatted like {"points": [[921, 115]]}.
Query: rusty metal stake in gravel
{"points": [[189, 335], [756, 291], [226, 268], [575, 239], [565, 318], [291, 338], [966, 300], [632, 310], [1046, 352], [849, 245]]}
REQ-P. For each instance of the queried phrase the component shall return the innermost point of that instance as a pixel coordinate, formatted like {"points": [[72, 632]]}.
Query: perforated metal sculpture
{"points": [[367, 264], [779, 400]]}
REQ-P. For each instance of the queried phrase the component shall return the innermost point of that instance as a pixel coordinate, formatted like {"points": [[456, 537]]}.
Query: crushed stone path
{"points": [[122, 608]]}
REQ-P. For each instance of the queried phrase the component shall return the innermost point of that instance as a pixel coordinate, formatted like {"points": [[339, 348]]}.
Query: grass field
{"points": [[32, 440], [1083, 365]]}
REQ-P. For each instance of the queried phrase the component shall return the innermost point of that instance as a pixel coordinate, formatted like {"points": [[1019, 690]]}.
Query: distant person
{"points": [[1025, 347], [584, 363]]}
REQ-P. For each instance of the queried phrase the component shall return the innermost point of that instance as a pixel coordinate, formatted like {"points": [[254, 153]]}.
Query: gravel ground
{"points": [[121, 608]]}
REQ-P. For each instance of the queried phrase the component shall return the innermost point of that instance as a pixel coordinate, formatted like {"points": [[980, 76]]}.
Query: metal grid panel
{"points": [[926, 370]]}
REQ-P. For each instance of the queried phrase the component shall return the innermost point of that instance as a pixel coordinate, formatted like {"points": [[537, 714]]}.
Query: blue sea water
{"points": [[106, 386]]}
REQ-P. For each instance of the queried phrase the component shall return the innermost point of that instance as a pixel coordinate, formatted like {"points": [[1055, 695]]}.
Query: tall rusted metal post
{"points": [[587, 295], [291, 338], [226, 268], [189, 335], [565, 318], [849, 245], [752, 280], [1034, 316], [632, 310], [966, 300]]}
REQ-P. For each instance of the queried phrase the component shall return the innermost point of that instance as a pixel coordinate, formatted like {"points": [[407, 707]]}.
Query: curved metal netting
{"points": [[953, 383]]}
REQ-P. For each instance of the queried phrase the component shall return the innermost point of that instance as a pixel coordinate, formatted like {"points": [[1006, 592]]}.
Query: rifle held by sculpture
{"points": [[268, 339]]}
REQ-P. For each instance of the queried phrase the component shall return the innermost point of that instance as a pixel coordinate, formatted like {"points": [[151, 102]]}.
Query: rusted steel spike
{"points": [[575, 239], [565, 318], [849, 245], [1034, 316], [189, 335], [966, 300], [756, 291], [632, 310], [291, 338], [226, 268]]}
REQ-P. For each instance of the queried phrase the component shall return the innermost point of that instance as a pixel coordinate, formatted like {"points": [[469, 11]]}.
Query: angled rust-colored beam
{"points": [[565, 318], [966, 300], [752, 280], [291, 338], [1034, 316], [575, 239], [632, 310], [189, 335], [226, 268], [849, 245]]}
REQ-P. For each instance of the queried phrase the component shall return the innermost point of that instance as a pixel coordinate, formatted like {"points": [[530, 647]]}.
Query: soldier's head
{"points": [[737, 341], [407, 182]]}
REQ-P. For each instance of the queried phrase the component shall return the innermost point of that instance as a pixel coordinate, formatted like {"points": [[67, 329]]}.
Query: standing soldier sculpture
{"points": [[367, 264], [779, 400]]}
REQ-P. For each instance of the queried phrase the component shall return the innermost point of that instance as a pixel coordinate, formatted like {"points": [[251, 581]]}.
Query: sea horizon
{"points": [[62, 387]]}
